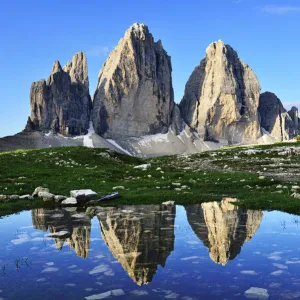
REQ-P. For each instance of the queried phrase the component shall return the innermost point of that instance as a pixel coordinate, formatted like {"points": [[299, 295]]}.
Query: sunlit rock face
{"points": [[77, 226], [223, 227], [139, 237], [221, 97], [62, 104], [134, 96]]}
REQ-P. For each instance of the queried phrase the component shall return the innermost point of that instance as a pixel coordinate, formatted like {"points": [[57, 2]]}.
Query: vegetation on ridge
{"points": [[261, 177]]}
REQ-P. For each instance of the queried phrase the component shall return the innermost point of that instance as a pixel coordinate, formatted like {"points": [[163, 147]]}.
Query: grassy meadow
{"points": [[261, 177]]}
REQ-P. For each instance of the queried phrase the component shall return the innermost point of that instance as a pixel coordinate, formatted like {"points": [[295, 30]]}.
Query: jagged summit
{"points": [[56, 67], [134, 96], [62, 104], [221, 97]]}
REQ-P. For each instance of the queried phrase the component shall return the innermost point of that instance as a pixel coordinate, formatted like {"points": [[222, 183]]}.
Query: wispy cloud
{"points": [[97, 51], [279, 9]]}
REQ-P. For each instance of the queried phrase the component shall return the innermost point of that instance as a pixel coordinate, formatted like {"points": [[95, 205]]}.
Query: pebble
{"points": [[120, 187]]}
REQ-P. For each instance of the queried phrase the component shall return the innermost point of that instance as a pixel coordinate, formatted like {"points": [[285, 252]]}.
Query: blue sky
{"points": [[36, 33]]}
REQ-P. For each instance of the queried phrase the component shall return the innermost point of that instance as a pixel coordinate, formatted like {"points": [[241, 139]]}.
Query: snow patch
{"points": [[155, 138], [114, 143], [87, 139]]}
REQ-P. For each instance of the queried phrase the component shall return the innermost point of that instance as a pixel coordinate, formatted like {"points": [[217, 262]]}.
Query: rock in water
{"points": [[134, 96], [274, 117], [63, 103], [221, 98]]}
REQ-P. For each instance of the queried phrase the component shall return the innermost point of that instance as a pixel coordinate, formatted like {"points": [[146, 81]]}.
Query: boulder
{"points": [[83, 196], [38, 190], [46, 196], [3, 198], [26, 197], [14, 197], [119, 187], [59, 198], [134, 96], [168, 203], [69, 201], [221, 98], [144, 166]]}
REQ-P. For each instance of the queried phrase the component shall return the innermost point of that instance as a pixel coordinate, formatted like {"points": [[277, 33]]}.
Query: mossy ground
{"points": [[207, 176]]}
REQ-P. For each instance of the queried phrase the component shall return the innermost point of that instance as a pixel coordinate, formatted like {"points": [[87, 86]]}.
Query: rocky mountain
{"points": [[275, 119], [221, 98], [223, 227], [139, 237], [62, 104], [294, 114], [134, 96], [133, 109]]}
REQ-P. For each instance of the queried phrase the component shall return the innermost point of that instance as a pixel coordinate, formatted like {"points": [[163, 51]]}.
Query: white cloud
{"points": [[279, 10], [98, 51]]}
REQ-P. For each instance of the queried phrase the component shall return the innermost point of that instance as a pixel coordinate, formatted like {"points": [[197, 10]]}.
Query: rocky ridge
{"points": [[133, 109], [275, 119]]}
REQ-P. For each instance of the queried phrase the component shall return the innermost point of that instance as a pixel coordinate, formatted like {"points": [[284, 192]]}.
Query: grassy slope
{"points": [[65, 169]]}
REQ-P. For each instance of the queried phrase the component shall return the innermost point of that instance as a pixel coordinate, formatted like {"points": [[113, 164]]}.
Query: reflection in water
{"points": [[139, 237], [223, 227], [77, 227]]}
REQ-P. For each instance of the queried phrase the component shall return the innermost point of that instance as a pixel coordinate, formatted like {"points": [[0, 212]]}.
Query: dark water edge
{"points": [[213, 250]]}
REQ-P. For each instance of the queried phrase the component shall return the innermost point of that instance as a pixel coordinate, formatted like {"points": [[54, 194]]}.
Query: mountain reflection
{"points": [[223, 227], [76, 225], [140, 237]]}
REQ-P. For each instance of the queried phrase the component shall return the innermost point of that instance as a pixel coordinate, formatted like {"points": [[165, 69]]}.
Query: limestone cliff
{"points": [[134, 96], [275, 119], [62, 104], [221, 98], [139, 237], [223, 227]]}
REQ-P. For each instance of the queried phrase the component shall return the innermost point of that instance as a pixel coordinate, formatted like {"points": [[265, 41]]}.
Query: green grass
{"points": [[65, 169]]}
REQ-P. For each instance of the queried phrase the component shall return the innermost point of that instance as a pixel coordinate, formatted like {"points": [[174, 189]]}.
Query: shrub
{"points": [[297, 138]]}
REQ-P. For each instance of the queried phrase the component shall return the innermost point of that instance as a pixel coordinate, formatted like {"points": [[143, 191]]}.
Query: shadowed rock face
{"points": [[77, 225], [294, 114], [223, 227], [62, 104], [134, 96], [221, 97], [275, 119], [139, 237]]}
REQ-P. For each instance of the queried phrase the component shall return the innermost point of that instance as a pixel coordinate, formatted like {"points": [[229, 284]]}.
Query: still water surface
{"points": [[206, 251]]}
